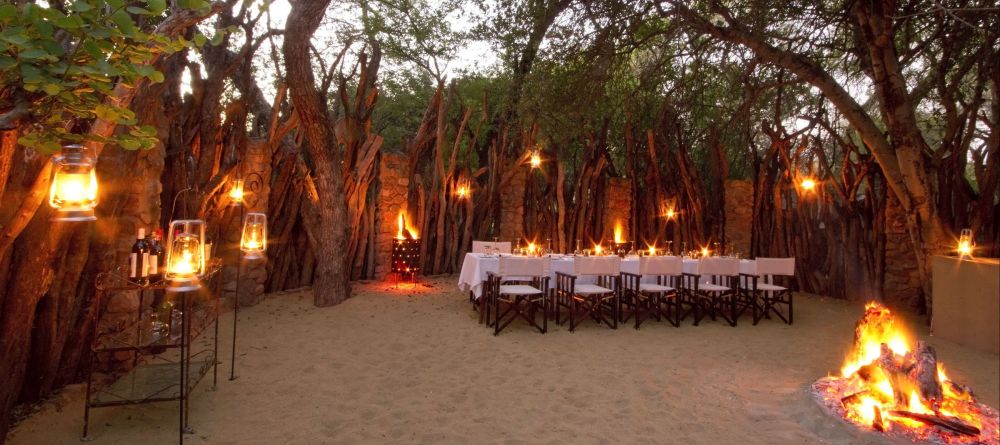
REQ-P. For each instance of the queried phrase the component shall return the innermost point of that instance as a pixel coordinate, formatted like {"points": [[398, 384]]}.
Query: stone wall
{"points": [[618, 208], [739, 214], [902, 280], [393, 186], [256, 189], [512, 207]]}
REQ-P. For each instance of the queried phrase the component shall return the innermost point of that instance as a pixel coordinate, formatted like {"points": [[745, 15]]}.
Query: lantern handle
{"points": [[173, 207]]}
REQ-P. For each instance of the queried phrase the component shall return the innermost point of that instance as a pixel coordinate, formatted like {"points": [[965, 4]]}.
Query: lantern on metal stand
{"points": [[74, 185], [185, 255], [253, 243]]}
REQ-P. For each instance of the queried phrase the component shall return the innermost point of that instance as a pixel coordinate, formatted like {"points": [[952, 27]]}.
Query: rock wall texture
{"points": [[512, 207], [393, 185], [739, 214], [618, 208]]}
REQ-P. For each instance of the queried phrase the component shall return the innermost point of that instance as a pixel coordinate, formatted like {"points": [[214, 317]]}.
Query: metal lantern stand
{"points": [[162, 365], [252, 183]]}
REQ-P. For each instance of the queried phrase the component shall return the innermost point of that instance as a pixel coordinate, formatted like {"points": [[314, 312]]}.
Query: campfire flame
{"points": [[890, 383], [404, 229], [619, 238]]}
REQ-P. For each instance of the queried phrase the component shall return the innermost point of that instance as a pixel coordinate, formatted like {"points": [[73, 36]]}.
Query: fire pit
{"points": [[895, 387], [405, 251]]}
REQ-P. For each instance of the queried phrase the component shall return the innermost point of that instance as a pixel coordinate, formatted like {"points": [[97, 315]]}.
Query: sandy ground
{"points": [[413, 366]]}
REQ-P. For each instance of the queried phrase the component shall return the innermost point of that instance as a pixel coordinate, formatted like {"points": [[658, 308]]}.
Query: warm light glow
{"points": [[73, 190], [871, 388], [462, 191], [808, 184], [536, 159], [598, 249], [652, 250], [671, 214], [403, 228], [185, 256], [619, 238], [965, 244], [254, 239], [531, 248], [705, 251], [236, 192]]}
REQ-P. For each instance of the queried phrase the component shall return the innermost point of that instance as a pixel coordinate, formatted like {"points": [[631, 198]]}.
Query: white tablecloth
{"points": [[476, 266]]}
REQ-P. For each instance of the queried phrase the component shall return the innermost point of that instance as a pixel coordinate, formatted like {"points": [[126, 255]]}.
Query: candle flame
{"points": [[236, 193], [652, 250], [619, 239], [704, 251], [598, 249]]}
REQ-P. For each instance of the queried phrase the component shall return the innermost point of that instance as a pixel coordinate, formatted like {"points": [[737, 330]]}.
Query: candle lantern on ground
{"points": [[965, 245], [186, 255], [254, 240], [74, 185]]}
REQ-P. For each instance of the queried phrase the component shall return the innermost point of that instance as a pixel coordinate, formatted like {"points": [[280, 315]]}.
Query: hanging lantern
{"points": [[536, 159], [254, 240], [236, 193], [74, 185], [965, 244], [808, 184], [186, 255]]}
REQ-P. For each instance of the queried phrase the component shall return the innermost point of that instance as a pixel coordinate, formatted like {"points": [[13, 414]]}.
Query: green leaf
{"points": [[51, 89], [81, 6], [7, 62], [217, 38], [138, 10], [192, 4], [7, 11], [106, 113], [157, 6], [31, 74], [199, 40], [156, 77], [124, 23]]}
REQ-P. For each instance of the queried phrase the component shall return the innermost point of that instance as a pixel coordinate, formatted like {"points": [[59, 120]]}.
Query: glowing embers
{"points": [[405, 249], [74, 185], [894, 386]]}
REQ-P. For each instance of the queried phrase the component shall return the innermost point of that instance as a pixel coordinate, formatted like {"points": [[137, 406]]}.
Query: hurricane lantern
{"points": [[74, 185], [186, 255], [808, 184], [536, 159], [965, 245], [254, 240], [236, 193]]}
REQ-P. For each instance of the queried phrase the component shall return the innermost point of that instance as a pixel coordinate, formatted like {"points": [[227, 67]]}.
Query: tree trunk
{"points": [[330, 239]]}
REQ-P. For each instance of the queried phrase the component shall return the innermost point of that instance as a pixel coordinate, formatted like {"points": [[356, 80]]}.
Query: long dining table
{"points": [[477, 266]]}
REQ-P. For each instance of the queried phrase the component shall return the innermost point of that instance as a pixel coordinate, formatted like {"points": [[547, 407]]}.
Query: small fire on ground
{"points": [[894, 386]]}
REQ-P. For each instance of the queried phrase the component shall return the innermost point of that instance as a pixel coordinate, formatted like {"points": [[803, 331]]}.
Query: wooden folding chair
{"points": [[521, 300], [597, 301], [718, 294], [645, 300], [763, 291]]}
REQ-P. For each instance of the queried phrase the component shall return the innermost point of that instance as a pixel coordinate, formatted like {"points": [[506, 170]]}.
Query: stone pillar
{"points": [[256, 170], [393, 188], [902, 279], [618, 209], [512, 206], [739, 214]]}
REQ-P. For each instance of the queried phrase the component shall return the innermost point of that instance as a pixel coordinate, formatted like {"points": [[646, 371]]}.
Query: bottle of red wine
{"points": [[139, 259], [156, 258]]}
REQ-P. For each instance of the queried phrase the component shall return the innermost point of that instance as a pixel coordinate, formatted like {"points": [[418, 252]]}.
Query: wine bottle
{"points": [[139, 258], [156, 256]]}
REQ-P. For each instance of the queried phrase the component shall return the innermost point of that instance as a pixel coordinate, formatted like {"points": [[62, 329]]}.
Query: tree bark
{"points": [[330, 241]]}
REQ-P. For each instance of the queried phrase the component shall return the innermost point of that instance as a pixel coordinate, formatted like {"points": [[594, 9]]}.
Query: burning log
{"points": [[915, 370], [951, 423], [877, 423]]}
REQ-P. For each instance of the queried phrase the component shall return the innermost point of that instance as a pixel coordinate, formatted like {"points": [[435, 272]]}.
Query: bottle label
{"points": [[153, 260], [145, 262], [132, 258]]}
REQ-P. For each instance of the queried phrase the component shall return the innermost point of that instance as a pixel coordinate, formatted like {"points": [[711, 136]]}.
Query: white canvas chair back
{"points": [[776, 266], [597, 265], [661, 265], [768, 267], [719, 266], [511, 266], [480, 246]]}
